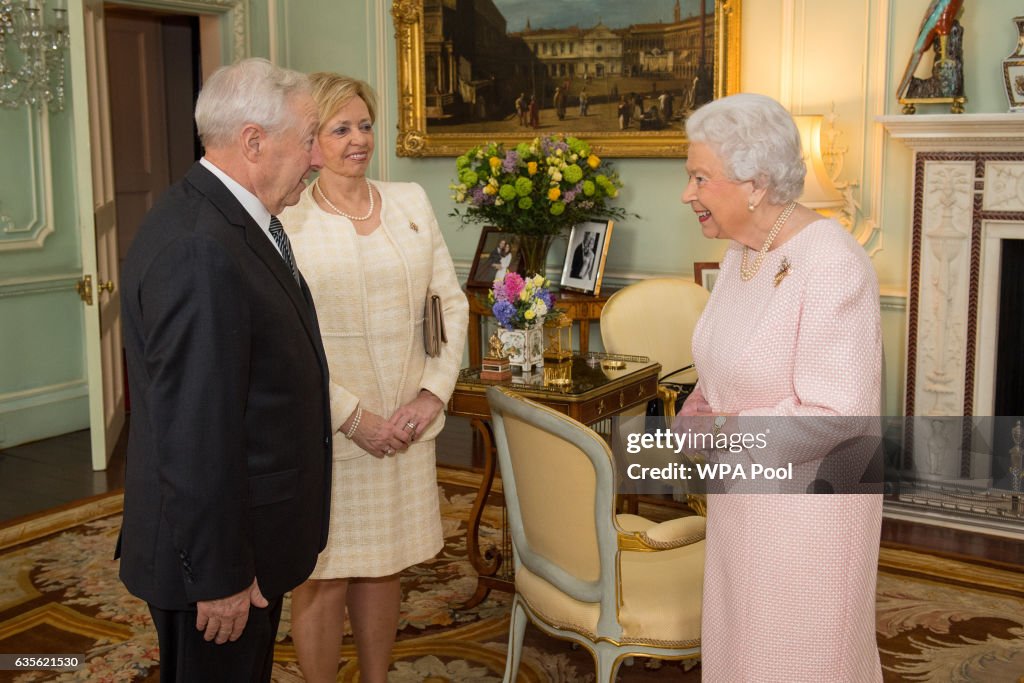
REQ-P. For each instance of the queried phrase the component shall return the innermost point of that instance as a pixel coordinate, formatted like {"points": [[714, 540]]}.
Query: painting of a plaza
{"points": [[496, 66]]}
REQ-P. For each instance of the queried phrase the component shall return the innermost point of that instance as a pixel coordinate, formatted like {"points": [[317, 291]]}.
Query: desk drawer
{"points": [[618, 401]]}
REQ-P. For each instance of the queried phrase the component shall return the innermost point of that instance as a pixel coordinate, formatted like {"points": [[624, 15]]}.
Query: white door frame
{"points": [[225, 37]]}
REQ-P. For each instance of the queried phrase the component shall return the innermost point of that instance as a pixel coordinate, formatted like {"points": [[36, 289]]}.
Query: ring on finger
{"points": [[389, 450], [411, 425]]}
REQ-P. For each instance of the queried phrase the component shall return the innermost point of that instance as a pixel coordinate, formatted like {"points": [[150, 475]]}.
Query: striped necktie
{"points": [[277, 232]]}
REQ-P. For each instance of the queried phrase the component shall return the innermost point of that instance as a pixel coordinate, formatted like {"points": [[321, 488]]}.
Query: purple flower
{"points": [[510, 162], [481, 198], [571, 193], [504, 311]]}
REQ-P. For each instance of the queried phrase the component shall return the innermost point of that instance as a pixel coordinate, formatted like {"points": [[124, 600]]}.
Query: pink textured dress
{"points": [[789, 586]]}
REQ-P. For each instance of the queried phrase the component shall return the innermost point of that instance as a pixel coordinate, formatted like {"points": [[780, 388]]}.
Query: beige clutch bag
{"points": [[433, 326]]}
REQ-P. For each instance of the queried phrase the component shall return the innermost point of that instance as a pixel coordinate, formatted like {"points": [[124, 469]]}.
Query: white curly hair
{"points": [[757, 141]]}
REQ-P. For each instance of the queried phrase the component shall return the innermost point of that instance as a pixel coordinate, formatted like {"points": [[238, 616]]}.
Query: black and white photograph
{"points": [[584, 259], [705, 273]]}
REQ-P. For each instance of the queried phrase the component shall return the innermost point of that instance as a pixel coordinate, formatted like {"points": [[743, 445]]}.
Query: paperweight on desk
{"points": [[495, 368]]}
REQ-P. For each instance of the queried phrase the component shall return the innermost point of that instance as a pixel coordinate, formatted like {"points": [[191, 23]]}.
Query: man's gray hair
{"points": [[251, 91], [756, 139]]}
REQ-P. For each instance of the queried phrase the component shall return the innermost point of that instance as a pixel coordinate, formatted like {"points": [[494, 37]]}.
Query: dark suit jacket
{"points": [[229, 450]]}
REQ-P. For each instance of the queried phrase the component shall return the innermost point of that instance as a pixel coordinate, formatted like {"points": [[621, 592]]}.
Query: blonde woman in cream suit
{"points": [[371, 252]]}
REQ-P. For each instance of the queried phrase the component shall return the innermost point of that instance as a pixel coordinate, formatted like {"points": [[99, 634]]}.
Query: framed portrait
{"points": [[623, 75], [584, 259], [705, 273], [497, 253]]}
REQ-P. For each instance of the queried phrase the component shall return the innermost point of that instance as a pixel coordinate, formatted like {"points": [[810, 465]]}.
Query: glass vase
{"points": [[524, 347], [533, 250]]}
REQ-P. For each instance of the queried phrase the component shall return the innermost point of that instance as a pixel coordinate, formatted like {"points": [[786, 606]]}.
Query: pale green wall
{"points": [[42, 361]]}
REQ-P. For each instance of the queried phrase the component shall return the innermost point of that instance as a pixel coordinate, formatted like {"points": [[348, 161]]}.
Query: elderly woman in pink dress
{"points": [[790, 335]]}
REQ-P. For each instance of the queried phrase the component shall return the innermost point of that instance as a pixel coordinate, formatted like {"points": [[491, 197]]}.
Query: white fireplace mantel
{"points": [[957, 132], [968, 195]]}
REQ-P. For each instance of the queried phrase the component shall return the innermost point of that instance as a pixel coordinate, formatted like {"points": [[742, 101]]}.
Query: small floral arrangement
{"points": [[517, 302], [535, 188]]}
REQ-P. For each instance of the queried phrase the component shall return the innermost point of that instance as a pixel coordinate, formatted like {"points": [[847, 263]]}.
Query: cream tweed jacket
{"points": [[328, 256]]}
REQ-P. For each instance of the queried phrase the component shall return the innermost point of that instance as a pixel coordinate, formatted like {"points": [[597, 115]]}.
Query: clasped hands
{"points": [[385, 436]]}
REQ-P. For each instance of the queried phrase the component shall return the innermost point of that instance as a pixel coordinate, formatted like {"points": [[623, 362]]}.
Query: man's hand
{"points": [[224, 619]]}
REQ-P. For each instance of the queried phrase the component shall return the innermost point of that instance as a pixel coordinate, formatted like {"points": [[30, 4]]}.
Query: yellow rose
{"points": [[529, 315], [495, 163], [490, 189], [554, 193], [594, 161], [531, 167]]}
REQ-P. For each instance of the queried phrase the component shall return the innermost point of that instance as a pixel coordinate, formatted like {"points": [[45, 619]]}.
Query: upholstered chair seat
{"points": [[618, 584], [661, 591], [656, 318]]}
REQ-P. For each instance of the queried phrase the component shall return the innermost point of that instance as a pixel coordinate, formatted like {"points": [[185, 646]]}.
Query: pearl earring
{"points": [[750, 205]]}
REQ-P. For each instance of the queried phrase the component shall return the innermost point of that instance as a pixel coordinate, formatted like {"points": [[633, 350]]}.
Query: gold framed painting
{"points": [[622, 75]]}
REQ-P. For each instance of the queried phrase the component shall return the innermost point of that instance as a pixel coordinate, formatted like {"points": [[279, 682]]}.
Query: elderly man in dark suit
{"points": [[229, 454]]}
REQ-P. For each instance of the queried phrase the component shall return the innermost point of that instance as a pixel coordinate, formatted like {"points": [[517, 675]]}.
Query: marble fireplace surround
{"points": [[968, 196]]}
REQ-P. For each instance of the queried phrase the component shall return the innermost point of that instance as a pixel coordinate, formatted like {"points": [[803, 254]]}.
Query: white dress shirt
{"points": [[248, 200]]}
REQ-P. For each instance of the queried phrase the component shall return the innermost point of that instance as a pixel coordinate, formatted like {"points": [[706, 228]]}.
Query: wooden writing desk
{"points": [[594, 394], [582, 308]]}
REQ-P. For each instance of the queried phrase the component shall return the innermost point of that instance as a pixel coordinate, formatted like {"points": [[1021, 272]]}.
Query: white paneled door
{"points": [[98, 217]]}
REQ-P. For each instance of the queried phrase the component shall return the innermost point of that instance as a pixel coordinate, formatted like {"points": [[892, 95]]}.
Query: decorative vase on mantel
{"points": [[1013, 71], [533, 250], [524, 347]]}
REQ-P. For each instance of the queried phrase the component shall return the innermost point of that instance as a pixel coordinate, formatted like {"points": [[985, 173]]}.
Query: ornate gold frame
{"points": [[415, 141]]}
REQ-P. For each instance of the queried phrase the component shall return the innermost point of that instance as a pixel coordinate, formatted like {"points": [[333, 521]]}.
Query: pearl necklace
{"points": [[369, 190], [748, 272]]}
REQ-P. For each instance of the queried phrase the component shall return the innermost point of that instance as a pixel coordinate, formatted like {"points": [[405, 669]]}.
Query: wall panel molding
{"points": [[383, 67], [32, 233], [28, 286], [41, 412]]}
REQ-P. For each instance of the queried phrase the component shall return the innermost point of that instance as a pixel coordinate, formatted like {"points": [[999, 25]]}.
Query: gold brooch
{"points": [[784, 270], [414, 227]]}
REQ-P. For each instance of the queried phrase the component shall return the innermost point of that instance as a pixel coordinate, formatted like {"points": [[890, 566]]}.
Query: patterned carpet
{"points": [[938, 619]]}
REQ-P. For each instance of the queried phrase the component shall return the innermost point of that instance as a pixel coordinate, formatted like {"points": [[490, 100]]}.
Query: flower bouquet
{"points": [[519, 305], [535, 190]]}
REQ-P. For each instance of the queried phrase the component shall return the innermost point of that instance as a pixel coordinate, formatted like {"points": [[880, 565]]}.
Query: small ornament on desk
{"points": [[557, 336], [495, 364]]}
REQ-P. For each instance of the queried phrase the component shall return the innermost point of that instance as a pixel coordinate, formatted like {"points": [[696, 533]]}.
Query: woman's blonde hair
{"points": [[333, 91]]}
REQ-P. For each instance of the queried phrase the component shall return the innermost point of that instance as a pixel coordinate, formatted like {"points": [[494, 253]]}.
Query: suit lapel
{"points": [[219, 195]]}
